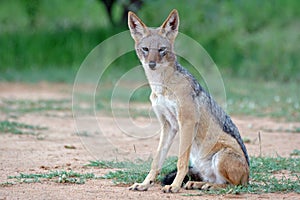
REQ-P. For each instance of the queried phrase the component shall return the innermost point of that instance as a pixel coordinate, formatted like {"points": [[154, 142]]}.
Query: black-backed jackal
{"points": [[209, 140]]}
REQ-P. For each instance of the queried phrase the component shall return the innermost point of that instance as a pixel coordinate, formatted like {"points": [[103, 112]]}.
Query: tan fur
{"points": [[215, 154]]}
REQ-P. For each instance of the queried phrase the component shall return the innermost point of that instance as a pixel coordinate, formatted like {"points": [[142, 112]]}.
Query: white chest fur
{"points": [[165, 108]]}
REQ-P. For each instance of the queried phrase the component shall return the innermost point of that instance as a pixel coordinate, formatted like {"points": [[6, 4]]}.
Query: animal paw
{"points": [[139, 187], [207, 186], [191, 185], [170, 189]]}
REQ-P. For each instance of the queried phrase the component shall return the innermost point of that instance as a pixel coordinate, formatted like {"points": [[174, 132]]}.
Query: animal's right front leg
{"points": [[166, 139], [148, 182]]}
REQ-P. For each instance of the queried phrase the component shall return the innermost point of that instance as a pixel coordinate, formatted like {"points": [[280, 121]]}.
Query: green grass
{"points": [[19, 128], [56, 176], [132, 171], [267, 175], [296, 152], [50, 15], [263, 99], [38, 74], [30, 106], [242, 42], [45, 50], [111, 164], [138, 172]]}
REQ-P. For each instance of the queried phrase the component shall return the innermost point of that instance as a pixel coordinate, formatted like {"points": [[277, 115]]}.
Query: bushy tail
{"points": [[191, 176]]}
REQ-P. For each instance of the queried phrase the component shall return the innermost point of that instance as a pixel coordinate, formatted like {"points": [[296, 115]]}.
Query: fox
{"points": [[211, 149]]}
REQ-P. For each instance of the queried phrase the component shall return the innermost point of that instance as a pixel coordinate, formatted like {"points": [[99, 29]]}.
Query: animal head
{"points": [[155, 46]]}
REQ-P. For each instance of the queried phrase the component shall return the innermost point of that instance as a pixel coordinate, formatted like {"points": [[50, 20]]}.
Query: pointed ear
{"points": [[170, 27], [137, 28]]}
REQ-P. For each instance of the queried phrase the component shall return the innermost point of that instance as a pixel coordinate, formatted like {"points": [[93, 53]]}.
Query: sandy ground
{"points": [[50, 150]]}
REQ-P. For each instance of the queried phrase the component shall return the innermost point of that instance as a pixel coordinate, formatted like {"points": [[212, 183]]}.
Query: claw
{"points": [[189, 185], [206, 187], [170, 189]]}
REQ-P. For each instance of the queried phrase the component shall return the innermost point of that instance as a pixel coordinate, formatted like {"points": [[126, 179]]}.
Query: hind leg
{"points": [[229, 167], [192, 185], [233, 167]]}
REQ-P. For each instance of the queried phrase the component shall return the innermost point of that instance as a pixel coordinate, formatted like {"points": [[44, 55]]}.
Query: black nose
{"points": [[152, 64]]}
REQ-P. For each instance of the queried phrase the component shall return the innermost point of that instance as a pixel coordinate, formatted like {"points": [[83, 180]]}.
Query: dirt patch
{"points": [[61, 148]]}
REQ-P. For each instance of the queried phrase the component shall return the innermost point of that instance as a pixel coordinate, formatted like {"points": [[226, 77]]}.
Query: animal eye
{"points": [[162, 49], [145, 49]]}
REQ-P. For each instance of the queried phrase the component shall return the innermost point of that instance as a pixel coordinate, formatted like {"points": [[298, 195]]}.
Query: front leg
{"points": [[166, 139], [147, 183], [186, 136]]}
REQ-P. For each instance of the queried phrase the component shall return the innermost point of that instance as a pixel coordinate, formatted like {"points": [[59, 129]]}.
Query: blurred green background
{"points": [[48, 40], [255, 44]]}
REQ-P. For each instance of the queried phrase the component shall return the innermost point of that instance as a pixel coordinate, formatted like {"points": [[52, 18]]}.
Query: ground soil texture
{"points": [[60, 148]]}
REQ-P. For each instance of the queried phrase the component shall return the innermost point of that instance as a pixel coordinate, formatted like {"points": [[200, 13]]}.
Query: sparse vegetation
{"points": [[28, 106], [132, 171], [267, 175], [257, 99], [19, 128], [56, 176]]}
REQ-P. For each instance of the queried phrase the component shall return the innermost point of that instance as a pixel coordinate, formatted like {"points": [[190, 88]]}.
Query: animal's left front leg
{"points": [[186, 138]]}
